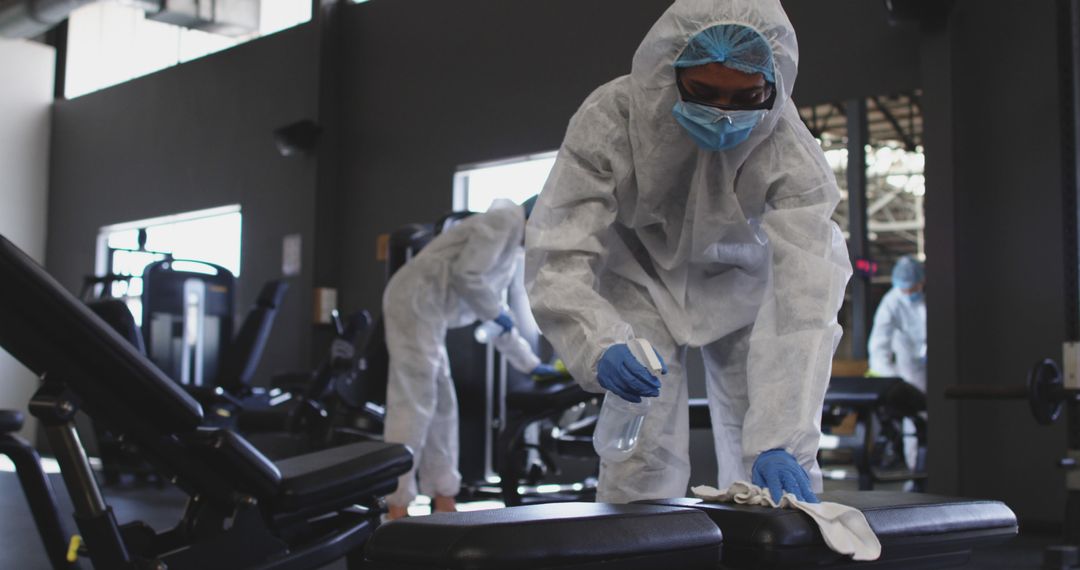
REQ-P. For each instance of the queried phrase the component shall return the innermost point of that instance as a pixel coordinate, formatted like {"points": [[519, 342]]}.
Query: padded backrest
{"points": [[859, 390], [243, 355], [904, 399], [450, 220], [405, 243], [47, 329], [377, 360], [116, 313]]}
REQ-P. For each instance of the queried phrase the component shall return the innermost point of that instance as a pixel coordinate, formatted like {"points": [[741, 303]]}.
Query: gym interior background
{"points": [[983, 91]]}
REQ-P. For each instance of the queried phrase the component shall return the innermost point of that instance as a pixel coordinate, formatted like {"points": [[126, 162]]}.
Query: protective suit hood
{"points": [[687, 206], [653, 73]]}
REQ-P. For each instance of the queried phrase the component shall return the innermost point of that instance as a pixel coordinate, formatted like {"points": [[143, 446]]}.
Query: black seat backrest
{"points": [[405, 243], [904, 399], [243, 355], [377, 361], [116, 313], [450, 220], [53, 334], [166, 302]]}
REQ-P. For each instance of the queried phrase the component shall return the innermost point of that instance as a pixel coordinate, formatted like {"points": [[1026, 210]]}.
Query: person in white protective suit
{"points": [[897, 343], [459, 277], [690, 206]]}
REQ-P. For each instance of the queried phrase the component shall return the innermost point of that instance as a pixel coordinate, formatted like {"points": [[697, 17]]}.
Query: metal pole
{"points": [[859, 243]]}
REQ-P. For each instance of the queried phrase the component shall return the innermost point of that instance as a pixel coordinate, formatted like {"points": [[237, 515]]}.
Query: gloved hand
{"points": [[780, 473], [505, 321], [620, 372], [545, 371]]}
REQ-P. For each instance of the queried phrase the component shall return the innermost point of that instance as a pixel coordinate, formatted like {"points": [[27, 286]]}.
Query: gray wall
{"points": [[477, 80], [192, 137], [994, 243], [848, 49], [404, 101]]}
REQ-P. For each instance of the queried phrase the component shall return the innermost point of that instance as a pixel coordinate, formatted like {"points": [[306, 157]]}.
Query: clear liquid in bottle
{"points": [[619, 427]]}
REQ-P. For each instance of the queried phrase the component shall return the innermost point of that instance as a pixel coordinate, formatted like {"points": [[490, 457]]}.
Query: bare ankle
{"points": [[444, 505]]}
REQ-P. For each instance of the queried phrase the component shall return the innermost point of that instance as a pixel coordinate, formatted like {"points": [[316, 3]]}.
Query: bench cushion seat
{"points": [[562, 535], [920, 530]]}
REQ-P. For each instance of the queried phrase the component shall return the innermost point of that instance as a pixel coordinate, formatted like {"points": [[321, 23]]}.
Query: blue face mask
{"points": [[917, 296], [716, 129]]}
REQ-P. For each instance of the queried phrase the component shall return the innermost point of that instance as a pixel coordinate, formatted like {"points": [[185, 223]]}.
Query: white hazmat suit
{"points": [[897, 347], [898, 340], [459, 277], [640, 233]]}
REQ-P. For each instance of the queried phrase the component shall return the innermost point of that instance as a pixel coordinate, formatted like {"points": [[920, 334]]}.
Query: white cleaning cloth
{"points": [[844, 528]]}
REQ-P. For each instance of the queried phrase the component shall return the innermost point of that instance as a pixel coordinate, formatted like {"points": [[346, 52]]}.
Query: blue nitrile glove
{"points": [[620, 373], [505, 321], [545, 371], [779, 472]]}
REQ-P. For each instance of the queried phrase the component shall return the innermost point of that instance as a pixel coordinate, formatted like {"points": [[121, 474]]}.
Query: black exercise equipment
{"points": [[448, 221], [327, 406], [300, 413], [888, 401], [36, 488], [243, 353], [405, 243], [232, 387], [884, 399], [530, 402], [915, 530], [1044, 391], [245, 511], [187, 318], [1047, 396], [565, 536], [117, 461]]}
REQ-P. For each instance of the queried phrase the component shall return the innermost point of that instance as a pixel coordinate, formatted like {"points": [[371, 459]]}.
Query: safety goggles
{"points": [[740, 101]]}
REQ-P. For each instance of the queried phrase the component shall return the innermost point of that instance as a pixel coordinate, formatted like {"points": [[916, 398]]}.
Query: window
{"points": [[476, 186], [895, 173], [211, 236], [112, 42]]}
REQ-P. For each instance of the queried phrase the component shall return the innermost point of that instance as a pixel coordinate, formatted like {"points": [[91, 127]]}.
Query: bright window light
{"points": [[110, 42], [477, 186], [208, 236]]}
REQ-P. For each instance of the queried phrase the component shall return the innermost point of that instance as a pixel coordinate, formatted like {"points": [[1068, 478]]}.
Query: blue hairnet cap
{"points": [[907, 273], [529, 205], [733, 45]]}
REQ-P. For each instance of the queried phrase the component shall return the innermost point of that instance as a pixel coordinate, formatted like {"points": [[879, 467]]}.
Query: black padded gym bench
{"points": [[248, 512], [244, 511], [563, 536], [916, 531]]}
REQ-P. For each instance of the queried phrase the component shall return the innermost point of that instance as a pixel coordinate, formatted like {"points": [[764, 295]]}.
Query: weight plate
{"points": [[1046, 392]]}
